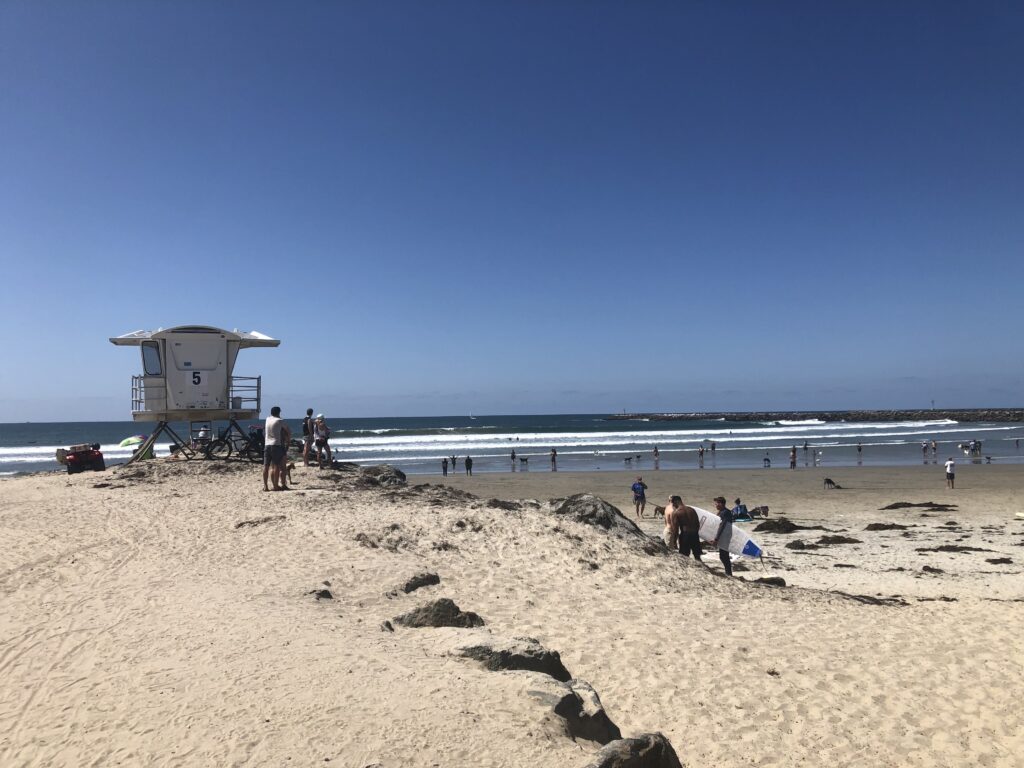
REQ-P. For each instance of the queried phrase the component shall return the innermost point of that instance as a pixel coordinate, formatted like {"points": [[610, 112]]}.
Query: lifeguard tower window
{"points": [[151, 358]]}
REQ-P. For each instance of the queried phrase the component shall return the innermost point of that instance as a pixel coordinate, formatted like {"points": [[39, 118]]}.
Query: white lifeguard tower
{"points": [[188, 375]]}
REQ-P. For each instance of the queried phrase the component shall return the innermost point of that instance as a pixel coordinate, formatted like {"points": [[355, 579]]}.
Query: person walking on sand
{"points": [[276, 437], [724, 536], [656, 454], [444, 466], [639, 489], [307, 436], [950, 473], [469, 465]]}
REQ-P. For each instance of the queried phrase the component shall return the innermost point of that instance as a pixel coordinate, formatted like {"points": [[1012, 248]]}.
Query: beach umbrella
{"points": [[133, 440]]}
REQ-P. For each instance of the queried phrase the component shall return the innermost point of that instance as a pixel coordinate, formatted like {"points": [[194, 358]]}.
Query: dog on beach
{"points": [[524, 459], [832, 484], [290, 466], [658, 511]]}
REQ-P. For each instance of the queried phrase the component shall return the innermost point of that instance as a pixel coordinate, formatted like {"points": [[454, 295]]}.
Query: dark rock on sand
{"points": [[584, 714], [828, 541], [520, 654], [999, 561], [771, 581], [800, 544], [387, 626], [885, 527], [420, 580], [951, 548], [843, 565], [869, 600], [784, 525], [259, 521], [384, 476], [593, 510], [930, 569], [648, 750], [439, 613], [931, 506], [321, 593], [508, 506]]}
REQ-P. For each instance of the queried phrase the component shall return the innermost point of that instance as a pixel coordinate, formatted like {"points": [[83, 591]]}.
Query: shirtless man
{"points": [[688, 527]]}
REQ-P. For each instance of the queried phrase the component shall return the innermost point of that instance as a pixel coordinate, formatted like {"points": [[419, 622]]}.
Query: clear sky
{"points": [[498, 207]]}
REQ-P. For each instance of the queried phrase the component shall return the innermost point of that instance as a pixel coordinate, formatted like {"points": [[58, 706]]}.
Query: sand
{"points": [[142, 626]]}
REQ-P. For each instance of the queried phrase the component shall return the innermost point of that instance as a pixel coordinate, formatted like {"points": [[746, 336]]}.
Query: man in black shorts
{"points": [[276, 438]]}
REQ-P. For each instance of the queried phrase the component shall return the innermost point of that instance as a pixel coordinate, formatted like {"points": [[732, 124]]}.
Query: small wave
{"points": [[799, 423]]}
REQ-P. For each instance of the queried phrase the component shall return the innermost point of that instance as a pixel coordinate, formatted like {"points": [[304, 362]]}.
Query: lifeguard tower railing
{"points": [[149, 398]]}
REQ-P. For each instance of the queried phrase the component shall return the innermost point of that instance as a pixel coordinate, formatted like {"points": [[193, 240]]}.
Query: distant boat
{"points": [[472, 417]]}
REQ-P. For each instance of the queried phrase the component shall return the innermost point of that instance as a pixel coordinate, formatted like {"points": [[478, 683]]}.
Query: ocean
{"points": [[584, 442]]}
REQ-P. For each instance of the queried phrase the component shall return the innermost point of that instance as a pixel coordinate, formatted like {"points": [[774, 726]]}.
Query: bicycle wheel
{"points": [[218, 449], [253, 451]]}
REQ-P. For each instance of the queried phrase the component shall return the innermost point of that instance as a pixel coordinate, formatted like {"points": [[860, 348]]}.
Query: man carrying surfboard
{"points": [[724, 535]]}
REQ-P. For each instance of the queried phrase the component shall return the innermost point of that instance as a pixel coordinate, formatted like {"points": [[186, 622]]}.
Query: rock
{"points": [[843, 565], [649, 750], [777, 525], [592, 510], [508, 506], [259, 521], [800, 544], [321, 594], [827, 541], [999, 560], [522, 654], [930, 569], [420, 580], [439, 613], [384, 476], [771, 581], [579, 708], [387, 626], [885, 527], [951, 548]]}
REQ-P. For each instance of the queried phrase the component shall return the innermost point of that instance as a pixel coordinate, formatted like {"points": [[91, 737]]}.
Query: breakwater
{"points": [[923, 414]]}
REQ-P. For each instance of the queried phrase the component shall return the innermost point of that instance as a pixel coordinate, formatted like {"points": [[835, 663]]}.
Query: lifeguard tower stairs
{"points": [[188, 375]]}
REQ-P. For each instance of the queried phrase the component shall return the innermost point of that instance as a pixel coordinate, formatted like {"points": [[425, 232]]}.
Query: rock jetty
{"points": [[963, 414]]}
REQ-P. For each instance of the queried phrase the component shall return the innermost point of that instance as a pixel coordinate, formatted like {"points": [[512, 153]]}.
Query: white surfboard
{"points": [[740, 544]]}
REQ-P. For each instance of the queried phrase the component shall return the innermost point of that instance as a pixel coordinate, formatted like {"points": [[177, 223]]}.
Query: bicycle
{"points": [[234, 440]]}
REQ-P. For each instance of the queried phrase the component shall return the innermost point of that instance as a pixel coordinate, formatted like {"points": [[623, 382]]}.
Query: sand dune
{"points": [[142, 625]]}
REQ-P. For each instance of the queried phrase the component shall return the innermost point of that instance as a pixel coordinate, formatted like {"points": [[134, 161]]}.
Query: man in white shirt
{"points": [[276, 437], [950, 472]]}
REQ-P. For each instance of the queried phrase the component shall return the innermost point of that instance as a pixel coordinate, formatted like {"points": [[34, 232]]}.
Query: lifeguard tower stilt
{"points": [[187, 375]]}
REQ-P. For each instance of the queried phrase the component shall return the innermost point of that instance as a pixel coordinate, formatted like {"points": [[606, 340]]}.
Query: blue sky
{"points": [[444, 208]]}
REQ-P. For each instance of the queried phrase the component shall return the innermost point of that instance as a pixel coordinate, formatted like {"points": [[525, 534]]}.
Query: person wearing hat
{"points": [[321, 434], [724, 536]]}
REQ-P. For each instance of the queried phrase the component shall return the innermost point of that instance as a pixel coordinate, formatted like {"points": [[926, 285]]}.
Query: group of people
{"points": [[467, 463], [316, 434], [277, 436], [682, 524], [682, 530]]}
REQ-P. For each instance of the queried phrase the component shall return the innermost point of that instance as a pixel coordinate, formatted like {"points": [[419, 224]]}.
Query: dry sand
{"points": [[141, 626]]}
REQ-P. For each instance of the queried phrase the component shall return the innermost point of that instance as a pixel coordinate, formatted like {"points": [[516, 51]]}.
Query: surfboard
{"points": [[740, 544]]}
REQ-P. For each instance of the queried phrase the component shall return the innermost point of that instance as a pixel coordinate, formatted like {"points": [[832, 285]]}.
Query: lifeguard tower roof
{"points": [[244, 339]]}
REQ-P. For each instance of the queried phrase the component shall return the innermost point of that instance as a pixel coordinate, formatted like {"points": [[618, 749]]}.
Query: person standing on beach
{"points": [[639, 489], [444, 466], [276, 436], [724, 536], [554, 460], [307, 436], [792, 457], [671, 533], [950, 473], [689, 531], [469, 465], [656, 454]]}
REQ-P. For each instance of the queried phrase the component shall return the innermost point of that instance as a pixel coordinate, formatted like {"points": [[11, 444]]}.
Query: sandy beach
{"points": [[174, 614]]}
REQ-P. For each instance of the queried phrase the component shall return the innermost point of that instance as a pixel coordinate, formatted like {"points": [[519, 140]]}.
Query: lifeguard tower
{"points": [[188, 375]]}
